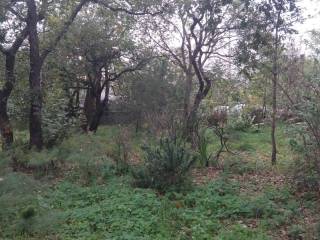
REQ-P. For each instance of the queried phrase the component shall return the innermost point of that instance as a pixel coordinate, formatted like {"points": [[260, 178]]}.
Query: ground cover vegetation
{"points": [[158, 120]]}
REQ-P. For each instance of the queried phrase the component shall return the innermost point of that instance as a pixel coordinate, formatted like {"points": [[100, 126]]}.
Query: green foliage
{"points": [[203, 144], [295, 232], [241, 123], [89, 200], [305, 140], [306, 177], [166, 166], [237, 165], [246, 147], [115, 210], [151, 90], [242, 232], [22, 210], [122, 152], [27, 213], [56, 124], [86, 158]]}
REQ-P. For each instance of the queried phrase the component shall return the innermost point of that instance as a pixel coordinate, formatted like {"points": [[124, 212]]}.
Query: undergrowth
{"points": [[83, 196]]}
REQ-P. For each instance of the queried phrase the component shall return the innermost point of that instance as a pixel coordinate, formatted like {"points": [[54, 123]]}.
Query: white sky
{"points": [[311, 13]]}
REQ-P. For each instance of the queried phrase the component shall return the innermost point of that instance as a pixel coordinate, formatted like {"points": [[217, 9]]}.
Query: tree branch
{"points": [[63, 30], [128, 11], [139, 66]]}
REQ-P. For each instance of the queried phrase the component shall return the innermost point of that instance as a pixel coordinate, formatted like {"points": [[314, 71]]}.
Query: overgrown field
{"points": [[81, 190]]}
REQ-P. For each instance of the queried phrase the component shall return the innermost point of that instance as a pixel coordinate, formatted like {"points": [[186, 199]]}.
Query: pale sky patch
{"points": [[311, 13]]}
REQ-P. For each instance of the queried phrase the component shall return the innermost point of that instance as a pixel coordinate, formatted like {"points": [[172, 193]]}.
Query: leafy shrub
{"points": [[307, 139], [241, 123], [306, 168], [56, 123], [166, 165]]}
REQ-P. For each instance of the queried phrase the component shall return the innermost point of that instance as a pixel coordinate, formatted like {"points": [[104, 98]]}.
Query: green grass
{"points": [[85, 198], [254, 146], [115, 210]]}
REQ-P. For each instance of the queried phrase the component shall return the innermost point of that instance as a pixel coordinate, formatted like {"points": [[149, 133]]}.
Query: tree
{"points": [[100, 42], [267, 26], [193, 36], [12, 21], [279, 17], [37, 59]]}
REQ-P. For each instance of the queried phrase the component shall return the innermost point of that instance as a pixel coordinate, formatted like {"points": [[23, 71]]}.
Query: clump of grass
{"points": [[246, 147]]}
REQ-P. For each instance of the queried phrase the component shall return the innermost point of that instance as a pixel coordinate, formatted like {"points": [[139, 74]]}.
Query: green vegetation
{"points": [[158, 119], [88, 198]]}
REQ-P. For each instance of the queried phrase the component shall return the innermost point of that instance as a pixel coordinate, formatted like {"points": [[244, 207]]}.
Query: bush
{"points": [[166, 165], [241, 123], [56, 123], [307, 139], [306, 168]]}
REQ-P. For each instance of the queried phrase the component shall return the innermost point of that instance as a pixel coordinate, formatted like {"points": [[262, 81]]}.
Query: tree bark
{"points": [[192, 117], [5, 126], [273, 125], [187, 94], [36, 63], [89, 106], [35, 121], [10, 79], [203, 89], [275, 73], [101, 107]]}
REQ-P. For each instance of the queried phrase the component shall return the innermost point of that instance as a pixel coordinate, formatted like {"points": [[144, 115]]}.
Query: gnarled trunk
{"points": [[203, 89]]}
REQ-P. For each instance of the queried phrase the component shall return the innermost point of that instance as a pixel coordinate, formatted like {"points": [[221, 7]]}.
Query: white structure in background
{"points": [[236, 110], [221, 109]]}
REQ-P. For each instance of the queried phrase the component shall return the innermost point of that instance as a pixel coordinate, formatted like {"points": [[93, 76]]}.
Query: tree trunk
{"points": [[275, 72], [203, 89], [35, 124], [273, 125], [192, 117], [89, 108], [101, 106], [187, 95], [5, 126], [95, 121]]}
